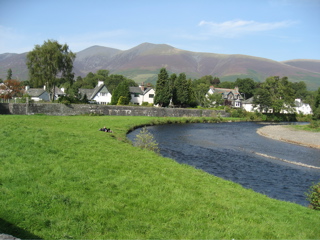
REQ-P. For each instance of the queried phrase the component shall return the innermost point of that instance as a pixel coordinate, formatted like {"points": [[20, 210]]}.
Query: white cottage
{"points": [[99, 94], [142, 94]]}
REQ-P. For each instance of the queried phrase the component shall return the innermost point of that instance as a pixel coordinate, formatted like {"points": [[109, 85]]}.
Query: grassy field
{"points": [[61, 178]]}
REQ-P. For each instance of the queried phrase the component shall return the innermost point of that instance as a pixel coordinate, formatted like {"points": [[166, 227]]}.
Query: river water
{"points": [[233, 151]]}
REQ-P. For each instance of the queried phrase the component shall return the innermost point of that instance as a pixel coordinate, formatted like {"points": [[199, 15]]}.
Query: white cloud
{"points": [[235, 28]]}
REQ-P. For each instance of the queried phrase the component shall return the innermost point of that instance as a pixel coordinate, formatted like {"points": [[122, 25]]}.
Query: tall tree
{"points": [[9, 74], [48, 62], [181, 94], [163, 92], [275, 94]]}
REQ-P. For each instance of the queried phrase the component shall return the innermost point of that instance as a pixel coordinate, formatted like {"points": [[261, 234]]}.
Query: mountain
{"points": [[143, 62], [311, 65]]}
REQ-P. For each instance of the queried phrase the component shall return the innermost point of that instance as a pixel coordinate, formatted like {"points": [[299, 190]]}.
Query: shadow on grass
{"points": [[11, 229]]}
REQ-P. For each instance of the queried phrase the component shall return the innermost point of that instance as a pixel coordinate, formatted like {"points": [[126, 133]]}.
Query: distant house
{"points": [[299, 107], [99, 94], [38, 94], [141, 94], [231, 97]]}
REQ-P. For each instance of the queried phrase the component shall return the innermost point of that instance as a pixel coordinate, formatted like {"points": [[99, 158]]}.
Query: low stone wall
{"points": [[79, 109]]}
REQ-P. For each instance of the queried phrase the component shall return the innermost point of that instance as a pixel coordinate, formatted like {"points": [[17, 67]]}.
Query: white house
{"points": [[38, 94], [99, 94], [231, 97], [141, 94], [299, 107]]}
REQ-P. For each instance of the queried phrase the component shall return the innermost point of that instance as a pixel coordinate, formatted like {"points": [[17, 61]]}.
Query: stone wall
{"points": [[79, 109]]}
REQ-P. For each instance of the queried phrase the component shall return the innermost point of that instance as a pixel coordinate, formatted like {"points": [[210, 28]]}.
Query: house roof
{"points": [[226, 91], [35, 92], [91, 93], [139, 90]]}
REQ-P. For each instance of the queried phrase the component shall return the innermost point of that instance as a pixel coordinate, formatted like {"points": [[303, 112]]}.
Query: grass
{"points": [[62, 178], [314, 126]]}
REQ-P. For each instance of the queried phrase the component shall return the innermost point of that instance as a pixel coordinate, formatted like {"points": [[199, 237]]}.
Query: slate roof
{"points": [[91, 93], [35, 92], [226, 91], [139, 90]]}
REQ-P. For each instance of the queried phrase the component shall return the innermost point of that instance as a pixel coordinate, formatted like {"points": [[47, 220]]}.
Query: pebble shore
{"points": [[291, 135]]}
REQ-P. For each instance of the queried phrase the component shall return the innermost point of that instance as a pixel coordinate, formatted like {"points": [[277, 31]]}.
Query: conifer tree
{"points": [[163, 94]]}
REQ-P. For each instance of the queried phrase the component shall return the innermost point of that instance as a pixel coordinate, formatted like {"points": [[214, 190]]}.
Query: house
{"points": [[302, 108], [231, 97], [299, 107], [99, 94], [142, 94], [38, 94]]}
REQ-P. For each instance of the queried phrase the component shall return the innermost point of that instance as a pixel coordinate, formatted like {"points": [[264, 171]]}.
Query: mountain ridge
{"points": [[143, 62]]}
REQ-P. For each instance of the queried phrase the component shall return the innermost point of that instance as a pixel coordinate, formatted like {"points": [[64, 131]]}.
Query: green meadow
{"points": [[61, 178]]}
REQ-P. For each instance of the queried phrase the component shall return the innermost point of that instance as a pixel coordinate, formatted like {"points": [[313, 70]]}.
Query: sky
{"points": [[275, 29]]}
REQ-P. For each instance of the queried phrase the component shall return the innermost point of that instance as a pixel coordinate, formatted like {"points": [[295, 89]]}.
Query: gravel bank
{"points": [[290, 135]]}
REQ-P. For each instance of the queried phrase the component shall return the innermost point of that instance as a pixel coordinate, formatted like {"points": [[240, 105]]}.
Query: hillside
{"points": [[142, 64], [311, 65]]}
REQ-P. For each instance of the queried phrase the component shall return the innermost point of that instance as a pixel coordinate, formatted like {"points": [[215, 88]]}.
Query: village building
{"points": [[100, 94], [231, 97], [142, 94], [299, 107]]}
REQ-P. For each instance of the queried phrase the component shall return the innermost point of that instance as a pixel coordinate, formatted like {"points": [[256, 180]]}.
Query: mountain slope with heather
{"points": [[143, 62]]}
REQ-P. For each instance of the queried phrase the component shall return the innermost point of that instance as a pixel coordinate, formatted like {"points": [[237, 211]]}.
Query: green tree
{"points": [[199, 92], [246, 86], [300, 90], [275, 94], [113, 81], [49, 62], [9, 74], [163, 93], [122, 90], [215, 100], [181, 94], [229, 85], [316, 107]]}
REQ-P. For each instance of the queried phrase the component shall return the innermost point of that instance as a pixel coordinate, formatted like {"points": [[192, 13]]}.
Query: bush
{"points": [[313, 196], [145, 140]]}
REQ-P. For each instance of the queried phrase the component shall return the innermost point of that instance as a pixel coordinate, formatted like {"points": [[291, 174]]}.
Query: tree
{"points": [[215, 100], [246, 86], [163, 93], [11, 88], [316, 108], [181, 94], [275, 94], [121, 91], [48, 62], [9, 74]]}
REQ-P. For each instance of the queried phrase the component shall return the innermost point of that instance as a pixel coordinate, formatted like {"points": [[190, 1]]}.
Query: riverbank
{"points": [[61, 178], [288, 134]]}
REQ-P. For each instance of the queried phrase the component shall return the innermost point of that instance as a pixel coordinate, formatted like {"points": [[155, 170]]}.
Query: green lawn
{"points": [[62, 178]]}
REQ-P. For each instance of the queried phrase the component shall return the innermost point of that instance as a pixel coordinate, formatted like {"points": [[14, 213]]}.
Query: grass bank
{"points": [[62, 178]]}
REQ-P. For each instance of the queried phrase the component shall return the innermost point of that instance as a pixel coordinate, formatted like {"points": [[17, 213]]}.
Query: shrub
{"points": [[145, 140], [313, 196]]}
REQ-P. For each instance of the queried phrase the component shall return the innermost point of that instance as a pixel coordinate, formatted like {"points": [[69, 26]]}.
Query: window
{"points": [[151, 95], [136, 94]]}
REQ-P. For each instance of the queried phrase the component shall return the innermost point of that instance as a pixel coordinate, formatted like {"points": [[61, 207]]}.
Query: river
{"points": [[233, 151]]}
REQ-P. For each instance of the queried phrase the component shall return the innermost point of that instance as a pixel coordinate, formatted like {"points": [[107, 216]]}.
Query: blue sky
{"points": [[275, 29]]}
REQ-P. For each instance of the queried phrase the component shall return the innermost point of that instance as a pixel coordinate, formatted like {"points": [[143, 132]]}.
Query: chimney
{"points": [[100, 83], [142, 86], [237, 89], [44, 87], [27, 88]]}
